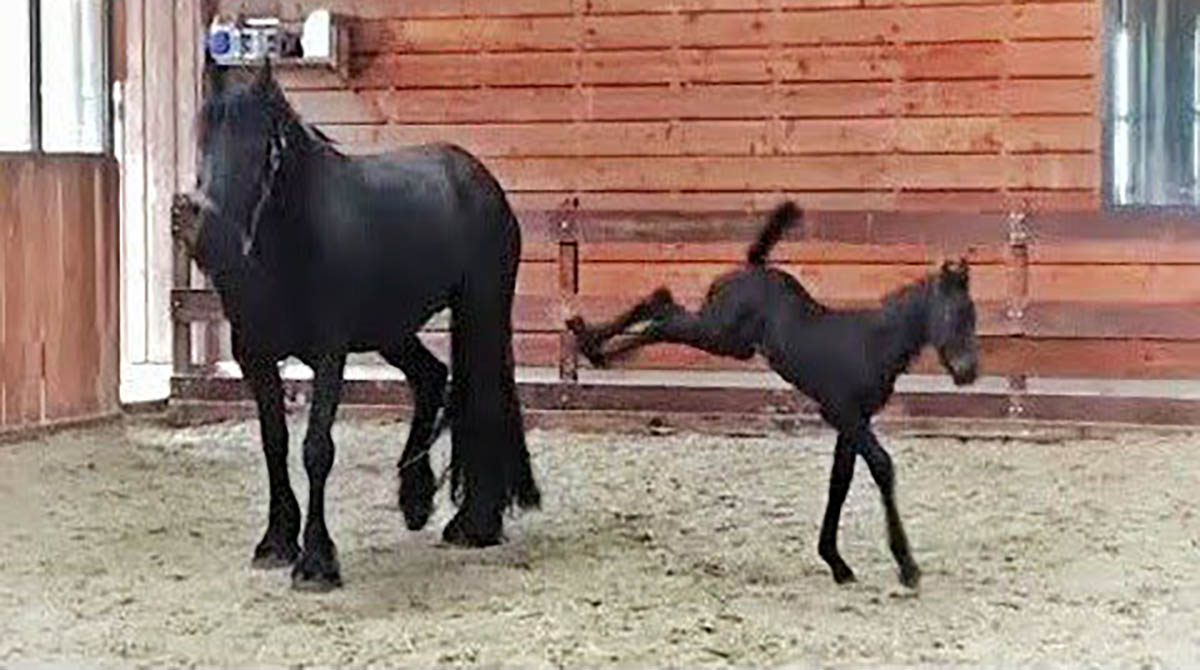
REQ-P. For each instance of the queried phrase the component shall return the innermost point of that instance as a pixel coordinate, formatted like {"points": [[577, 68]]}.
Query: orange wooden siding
{"points": [[59, 283], [727, 104], [707, 106]]}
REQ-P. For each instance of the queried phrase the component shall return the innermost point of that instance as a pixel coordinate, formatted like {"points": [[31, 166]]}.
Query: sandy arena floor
{"points": [[130, 545]]}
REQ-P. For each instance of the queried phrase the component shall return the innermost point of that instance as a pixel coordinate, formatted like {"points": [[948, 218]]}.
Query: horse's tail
{"points": [[781, 219], [489, 460]]}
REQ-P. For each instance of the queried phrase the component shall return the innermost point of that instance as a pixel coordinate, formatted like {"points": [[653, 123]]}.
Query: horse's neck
{"points": [[305, 138], [904, 331]]}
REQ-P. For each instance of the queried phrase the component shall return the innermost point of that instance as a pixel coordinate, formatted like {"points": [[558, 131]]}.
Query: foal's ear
{"points": [[956, 271]]}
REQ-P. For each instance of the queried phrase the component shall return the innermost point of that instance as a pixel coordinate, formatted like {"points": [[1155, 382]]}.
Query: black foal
{"points": [[845, 360]]}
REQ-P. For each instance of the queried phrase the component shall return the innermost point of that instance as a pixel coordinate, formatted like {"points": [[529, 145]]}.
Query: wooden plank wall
{"points": [[726, 106], [59, 283], [1059, 294], [1094, 297], [705, 105], [908, 128]]}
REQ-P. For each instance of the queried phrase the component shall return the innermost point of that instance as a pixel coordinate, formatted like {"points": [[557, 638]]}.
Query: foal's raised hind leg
{"points": [[426, 376], [278, 547], [670, 322], [317, 569], [885, 478], [591, 338]]}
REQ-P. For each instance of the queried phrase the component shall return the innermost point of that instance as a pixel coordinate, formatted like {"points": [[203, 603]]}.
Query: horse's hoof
{"points": [[272, 554], [417, 488], [457, 533], [323, 584], [910, 577], [315, 573], [271, 562], [844, 576]]}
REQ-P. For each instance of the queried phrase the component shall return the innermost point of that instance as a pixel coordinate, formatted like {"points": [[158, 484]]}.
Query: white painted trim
{"points": [[157, 156]]}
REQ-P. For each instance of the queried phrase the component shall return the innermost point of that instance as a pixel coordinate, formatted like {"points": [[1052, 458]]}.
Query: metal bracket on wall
{"points": [[568, 293], [1017, 263]]}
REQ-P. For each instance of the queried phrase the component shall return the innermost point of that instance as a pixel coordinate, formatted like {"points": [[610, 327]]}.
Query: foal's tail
{"points": [[781, 219]]}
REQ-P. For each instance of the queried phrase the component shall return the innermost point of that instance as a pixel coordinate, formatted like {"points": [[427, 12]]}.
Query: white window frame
{"points": [[36, 145]]}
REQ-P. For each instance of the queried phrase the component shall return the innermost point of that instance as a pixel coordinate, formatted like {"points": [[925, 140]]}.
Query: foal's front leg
{"points": [[839, 484], [278, 547], [317, 569]]}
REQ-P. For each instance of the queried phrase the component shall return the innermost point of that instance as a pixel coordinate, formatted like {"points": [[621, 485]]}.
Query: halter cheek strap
{"points": [[278, 145]]}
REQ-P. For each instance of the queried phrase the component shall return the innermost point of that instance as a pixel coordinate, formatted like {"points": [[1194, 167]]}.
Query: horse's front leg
{"points": [[278, 547], [317, 569]]}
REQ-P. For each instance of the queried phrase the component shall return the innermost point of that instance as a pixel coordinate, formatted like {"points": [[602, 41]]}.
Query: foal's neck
{"points": [[905, 329]]}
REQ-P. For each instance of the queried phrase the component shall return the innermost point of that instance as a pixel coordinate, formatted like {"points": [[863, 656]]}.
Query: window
{"points": [[74, 90], [60, 101], [1154, 93], [16, 118]]}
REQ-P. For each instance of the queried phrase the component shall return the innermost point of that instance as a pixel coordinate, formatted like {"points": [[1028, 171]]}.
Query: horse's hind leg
{"points": [[426, 376], [885, 478], [591, 338]]}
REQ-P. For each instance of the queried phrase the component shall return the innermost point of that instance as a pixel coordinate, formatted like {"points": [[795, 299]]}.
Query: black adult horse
{"points": [[847, 361], [316, 255]]}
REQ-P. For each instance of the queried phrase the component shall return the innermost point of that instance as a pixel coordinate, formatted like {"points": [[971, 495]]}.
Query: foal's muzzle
{"points": [[964, 370]]}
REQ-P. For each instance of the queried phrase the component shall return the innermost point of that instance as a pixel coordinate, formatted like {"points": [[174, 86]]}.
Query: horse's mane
{"points": [[314, 137], [311, 137]]}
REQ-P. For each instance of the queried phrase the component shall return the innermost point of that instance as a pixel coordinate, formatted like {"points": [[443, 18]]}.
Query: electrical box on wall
{"points": [[320, 41]]}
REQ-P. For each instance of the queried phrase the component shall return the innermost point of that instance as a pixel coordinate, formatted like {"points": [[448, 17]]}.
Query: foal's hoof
{"points": [[585, 342], [316, 573], [272, 554], [576, 325], [910, 577], [417, 487], [661, 298], [462, 533]]}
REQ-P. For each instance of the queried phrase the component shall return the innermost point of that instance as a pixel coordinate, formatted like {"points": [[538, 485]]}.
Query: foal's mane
{"points": [[902, 296]]}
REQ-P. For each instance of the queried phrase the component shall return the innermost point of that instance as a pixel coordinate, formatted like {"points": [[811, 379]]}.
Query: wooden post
{"points": [[1017, 262], [568, 292], [183, 231]]}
